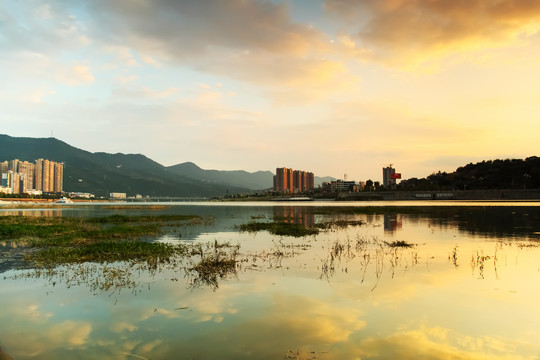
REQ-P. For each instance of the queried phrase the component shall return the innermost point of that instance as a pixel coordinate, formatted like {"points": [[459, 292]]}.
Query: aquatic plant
{"points": [[399, 243], [217, 261], [118, 219], [279, 228]]}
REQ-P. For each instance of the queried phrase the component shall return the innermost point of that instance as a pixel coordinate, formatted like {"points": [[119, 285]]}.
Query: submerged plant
{"points": [[279, 228], [399, 243]]}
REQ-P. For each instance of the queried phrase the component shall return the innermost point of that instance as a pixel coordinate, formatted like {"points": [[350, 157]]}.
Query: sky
{"points": [[337, 87]]}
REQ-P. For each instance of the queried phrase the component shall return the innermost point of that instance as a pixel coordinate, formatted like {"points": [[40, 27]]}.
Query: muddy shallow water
{"points": [[465, 286]]}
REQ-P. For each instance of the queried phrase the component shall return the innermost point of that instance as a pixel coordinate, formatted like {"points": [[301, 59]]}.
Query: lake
{"points": [[380, 280]]}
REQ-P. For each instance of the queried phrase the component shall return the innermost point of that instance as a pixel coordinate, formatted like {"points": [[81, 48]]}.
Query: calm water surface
{"points": [[469, 288]]}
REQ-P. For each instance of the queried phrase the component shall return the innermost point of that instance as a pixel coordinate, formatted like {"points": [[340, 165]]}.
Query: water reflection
{"points": [[392, 222], [295, 215], [464, 289], [33, 212]]}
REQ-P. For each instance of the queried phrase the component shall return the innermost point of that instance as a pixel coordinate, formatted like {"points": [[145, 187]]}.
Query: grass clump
{"points": [[279, 228], [75, 240], [120, 219], [105, 251], [211, 269], [217, 261], [399, 243], [338, 224]]}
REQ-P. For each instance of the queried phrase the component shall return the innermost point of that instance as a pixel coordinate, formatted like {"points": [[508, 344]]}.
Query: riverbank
{"points": [[484, 195]]}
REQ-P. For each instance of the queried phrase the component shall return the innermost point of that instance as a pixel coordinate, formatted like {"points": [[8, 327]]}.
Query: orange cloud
{"points": [[413, 32]]}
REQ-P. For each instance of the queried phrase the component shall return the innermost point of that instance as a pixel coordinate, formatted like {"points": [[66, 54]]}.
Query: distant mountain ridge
{"points": [[101, 173], [256, 181]]}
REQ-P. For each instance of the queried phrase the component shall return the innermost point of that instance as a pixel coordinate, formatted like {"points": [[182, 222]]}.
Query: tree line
{"points": [[485, 175]]}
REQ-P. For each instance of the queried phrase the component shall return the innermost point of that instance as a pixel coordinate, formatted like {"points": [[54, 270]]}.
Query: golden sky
{"points": [[334, 87]]}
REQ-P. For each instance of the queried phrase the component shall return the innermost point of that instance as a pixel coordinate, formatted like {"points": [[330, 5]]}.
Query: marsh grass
{"points": [[65, 240], [398, 244], [217, 261], [120, 219], [338, 224], [279, 228], [105, 251]]}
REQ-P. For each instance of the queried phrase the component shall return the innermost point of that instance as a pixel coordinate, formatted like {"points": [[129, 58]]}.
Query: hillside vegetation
{"points": [[491, 174]]}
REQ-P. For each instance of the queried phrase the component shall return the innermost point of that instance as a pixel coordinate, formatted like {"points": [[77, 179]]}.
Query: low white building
{"points": [[116, 195]]}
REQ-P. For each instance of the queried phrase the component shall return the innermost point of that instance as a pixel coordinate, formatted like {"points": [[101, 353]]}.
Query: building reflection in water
{"points": [[8, 245], [392, 222], [294, 215], [37, 213]]}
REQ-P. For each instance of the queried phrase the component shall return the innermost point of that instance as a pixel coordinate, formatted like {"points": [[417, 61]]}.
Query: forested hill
{"points": [[491, 174], [103, 173]]}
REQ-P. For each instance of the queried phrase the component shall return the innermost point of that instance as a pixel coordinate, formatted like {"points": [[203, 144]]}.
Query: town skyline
{"points": [[337, 87]]}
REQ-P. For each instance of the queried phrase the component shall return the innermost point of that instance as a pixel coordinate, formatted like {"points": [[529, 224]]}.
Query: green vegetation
{"points": [[71, 245], [215, 262], [106, 251], [279, 228], [118, 219], [285, 226], [105, 239], [338, 224], [399, 243], [491, 174], [101, 172]]}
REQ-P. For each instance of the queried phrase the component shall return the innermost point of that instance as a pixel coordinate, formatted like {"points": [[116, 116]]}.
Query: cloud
{"points": [[67, 334], [44, 28], [435, 343], [287, 80], [251, 41], [74, 75], [139, 93], [187, 28], [412, 32]]}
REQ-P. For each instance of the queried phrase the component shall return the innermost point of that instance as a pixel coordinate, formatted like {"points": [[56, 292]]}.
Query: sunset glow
{"points": [[333, 86]]}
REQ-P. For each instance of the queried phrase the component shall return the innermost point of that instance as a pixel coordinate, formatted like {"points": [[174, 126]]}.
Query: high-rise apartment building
{"points": [[38, 175], [51, 176], [14, 181], [283, 180], [45, 187], [390, 176], [27, 170], [23, 176], [14, 165], [48, 176], [58, 177], [289, 180], [310, 180], [4, 167]]}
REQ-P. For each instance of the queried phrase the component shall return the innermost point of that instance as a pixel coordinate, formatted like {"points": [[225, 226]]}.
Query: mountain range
{"points": [[101, 173]]}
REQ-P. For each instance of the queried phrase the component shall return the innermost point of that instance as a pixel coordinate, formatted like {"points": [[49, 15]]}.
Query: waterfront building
{"points": [[27, 170], [13, 165], [58, 177], [293, 181], [342, 186], [283, 180], [45, 177], [310, 180], [26, 177], [115, 195], [51, 176], [390, 176], [48, 176], [14, 181], [38, 175], [4, 179]]}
